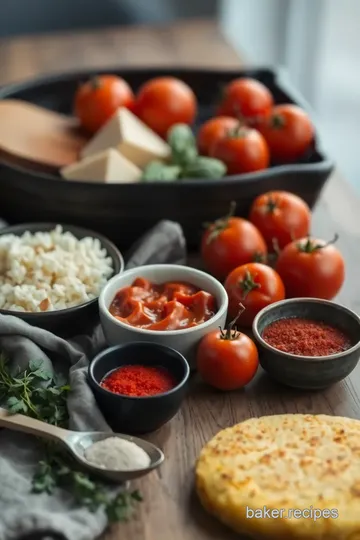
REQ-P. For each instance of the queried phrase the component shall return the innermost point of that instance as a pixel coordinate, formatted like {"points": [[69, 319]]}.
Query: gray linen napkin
{"points": [[22, 513]]}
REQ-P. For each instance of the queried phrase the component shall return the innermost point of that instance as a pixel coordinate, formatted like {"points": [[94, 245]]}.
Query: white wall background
{"points": [[318, 42]]}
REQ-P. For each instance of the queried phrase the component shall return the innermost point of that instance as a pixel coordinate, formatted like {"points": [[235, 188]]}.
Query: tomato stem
{"points": [[271, 205], [220, 224], [231, 333], [259, 257], [248, 284], [310, 245], [277, 121], [95, 83]]}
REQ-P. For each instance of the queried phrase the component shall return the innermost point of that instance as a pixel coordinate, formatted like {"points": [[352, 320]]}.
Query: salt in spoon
{"points": [[76, 442]]}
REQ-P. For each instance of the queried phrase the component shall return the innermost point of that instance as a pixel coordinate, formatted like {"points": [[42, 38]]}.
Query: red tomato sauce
{"points": [[168, 306]]}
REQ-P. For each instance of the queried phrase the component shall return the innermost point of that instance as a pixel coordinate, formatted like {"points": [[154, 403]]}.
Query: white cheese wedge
{"points": [[108, 167], [131, 137]]}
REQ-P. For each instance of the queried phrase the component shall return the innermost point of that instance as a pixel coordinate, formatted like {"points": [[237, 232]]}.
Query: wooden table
{"points": [[170, 510]]}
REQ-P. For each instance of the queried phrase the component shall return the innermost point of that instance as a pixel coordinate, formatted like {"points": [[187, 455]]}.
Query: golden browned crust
{"points": [[285, 462]]}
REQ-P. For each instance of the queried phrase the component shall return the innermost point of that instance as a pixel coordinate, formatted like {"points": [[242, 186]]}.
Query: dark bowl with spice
{"points": [[139, 386], [307, 343]]}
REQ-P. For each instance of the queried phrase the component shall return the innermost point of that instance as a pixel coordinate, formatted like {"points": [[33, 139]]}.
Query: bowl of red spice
{"points": [[139, 386], [307, 343]]}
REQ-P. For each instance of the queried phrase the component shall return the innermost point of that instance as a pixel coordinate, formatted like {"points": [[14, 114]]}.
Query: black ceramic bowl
{"points": [[27, 195], [308, 372], [139, 414], [78, 319]]}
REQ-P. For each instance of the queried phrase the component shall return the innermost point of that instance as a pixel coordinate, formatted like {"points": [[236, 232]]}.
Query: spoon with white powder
{"points": [[116, 457]]}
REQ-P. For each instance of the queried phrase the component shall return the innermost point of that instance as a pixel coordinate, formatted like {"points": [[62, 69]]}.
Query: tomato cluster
{"points": [[160, 103], [247, 133], [261, 261], [249, 130]]}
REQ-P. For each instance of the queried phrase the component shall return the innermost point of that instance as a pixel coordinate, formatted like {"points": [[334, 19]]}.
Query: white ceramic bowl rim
{"points": [[295, 301], [222, 308]]}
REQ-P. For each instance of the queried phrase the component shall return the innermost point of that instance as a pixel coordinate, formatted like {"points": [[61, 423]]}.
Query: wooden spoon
{"points": [[38, 136], [76, 442]]}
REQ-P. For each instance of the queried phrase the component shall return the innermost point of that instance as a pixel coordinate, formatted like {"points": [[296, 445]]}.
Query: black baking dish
{"points": [[122, 212]]}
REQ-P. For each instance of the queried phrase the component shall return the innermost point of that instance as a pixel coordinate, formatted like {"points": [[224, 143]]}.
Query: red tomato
{"points": [[97, 100], [289, 133], [230, 242], [246, 99], [280, 216], [227, 360], [244, 151], [165, 101], [311, 268], [213, 130], [255, 286]]}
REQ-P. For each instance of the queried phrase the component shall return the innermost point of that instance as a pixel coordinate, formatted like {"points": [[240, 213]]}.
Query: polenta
{"points": [[285, 462]]}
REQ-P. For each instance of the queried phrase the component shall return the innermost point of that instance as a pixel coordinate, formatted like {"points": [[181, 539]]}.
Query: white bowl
{"points": [[185, 340]]}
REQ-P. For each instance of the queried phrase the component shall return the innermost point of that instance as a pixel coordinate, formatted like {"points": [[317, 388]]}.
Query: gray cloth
{"points": [[23, 513]]}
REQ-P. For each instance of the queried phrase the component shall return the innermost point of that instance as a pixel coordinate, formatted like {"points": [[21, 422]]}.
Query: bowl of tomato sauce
{"points": [[168, 304]]}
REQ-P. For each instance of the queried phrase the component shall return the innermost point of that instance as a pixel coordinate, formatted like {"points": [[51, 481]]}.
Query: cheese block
{"points": [[127, 134], [108, 166]]}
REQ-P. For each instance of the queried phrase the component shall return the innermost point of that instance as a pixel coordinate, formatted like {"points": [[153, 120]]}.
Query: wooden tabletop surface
{"points": [[170, 510]]}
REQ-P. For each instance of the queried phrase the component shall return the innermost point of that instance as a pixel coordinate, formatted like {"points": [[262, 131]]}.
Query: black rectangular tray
{"points": [[123, 212]]}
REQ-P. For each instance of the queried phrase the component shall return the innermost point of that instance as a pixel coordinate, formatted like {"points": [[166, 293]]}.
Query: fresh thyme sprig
{"points": [[37, 393]]}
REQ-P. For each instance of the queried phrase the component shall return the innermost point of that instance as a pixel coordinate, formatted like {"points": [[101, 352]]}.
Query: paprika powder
{"points": [[305, 337], [139, 381]]}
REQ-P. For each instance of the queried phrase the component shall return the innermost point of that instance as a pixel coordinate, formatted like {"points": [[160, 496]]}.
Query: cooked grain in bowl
{"points": [[48, 271]]}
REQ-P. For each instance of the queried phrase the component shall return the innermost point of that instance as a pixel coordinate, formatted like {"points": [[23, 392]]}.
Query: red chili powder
{"points": [[139, 381], [305, 337]]}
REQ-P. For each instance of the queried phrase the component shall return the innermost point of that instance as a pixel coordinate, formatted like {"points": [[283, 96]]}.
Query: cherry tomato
{"points": [[165, 101], [213, 130], [246, 99], [311, 268], [97, 100], [243, 151], [255, 286], [230, 242], [227, 360], [289, 133], [280, 216]]}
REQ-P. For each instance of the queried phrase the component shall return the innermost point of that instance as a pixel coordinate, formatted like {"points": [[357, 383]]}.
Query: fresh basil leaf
{"points": [[183, 144], [204, 167], [159, 172]]}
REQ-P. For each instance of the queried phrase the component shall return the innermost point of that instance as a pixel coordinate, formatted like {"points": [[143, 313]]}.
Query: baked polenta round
{"points": [[285, 477]]}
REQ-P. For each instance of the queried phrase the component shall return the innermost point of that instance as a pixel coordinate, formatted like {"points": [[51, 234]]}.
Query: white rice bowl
{"points": [[48, 271]]}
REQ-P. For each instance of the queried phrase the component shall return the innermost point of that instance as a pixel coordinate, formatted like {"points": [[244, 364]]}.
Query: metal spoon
{"points": [[76, 442]]}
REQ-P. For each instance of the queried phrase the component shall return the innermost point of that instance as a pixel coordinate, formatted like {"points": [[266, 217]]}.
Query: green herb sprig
{"points": [[38, 393], [185, 161]]}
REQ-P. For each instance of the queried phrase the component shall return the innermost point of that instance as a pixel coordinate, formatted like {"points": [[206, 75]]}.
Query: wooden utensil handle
{"points": [[19, 422]]}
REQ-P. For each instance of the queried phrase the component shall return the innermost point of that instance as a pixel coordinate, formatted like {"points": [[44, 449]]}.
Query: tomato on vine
{"points": [[99, 98], [247, 100], [230, 242], [254, 285], [311, 268], [165, 101], [243, 150], [289, 133], [227, 359], [280, 216]]}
